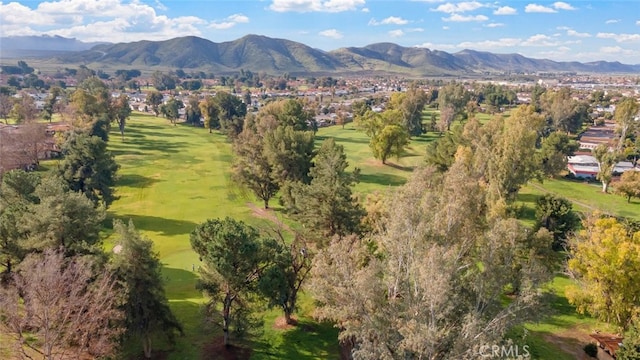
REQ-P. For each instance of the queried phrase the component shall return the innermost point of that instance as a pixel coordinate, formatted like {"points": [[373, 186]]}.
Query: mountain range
{"points": [[275, 56]]}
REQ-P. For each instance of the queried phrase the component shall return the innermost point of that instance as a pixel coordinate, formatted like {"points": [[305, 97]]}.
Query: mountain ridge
{"points": [[260, 53]]}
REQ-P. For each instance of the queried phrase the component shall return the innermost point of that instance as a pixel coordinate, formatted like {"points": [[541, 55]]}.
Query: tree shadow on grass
{"points": [[308, 340], [528, 198], [340, 139], [164, 226], [136, 181], [382, 179]]}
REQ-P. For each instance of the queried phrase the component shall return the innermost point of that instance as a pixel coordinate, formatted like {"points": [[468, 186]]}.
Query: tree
{"points": [[565, 114], [554, 152], [231, 112], [163, 81], [233, 257], [410, 104], [64, 304], [89, 167], [122, 111], [391, 141], [211, 112], [327, 205], [193, 112], [282, 281], [629, 185], [24, 110], [289, 153], [290, 112], [154, 99], [6, 104], [92, 101], [433, 277], [251, 166], [455, 96], [625, 115], [138, 272], [630, 349], [16, 195], [607, 161], [50, 102], [171, 109], [556, 215], [605, 258], [440, 153], [60, 219]]}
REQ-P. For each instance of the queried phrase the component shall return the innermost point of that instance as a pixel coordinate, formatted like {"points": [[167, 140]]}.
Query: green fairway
{"points": [[174, 177]]}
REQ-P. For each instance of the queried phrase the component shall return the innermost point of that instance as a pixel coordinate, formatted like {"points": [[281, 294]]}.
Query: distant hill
{"points": [[276, 56], [41, 46]]}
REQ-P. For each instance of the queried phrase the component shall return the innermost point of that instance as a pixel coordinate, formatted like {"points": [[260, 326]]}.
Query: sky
{"points": [[577, 30]]}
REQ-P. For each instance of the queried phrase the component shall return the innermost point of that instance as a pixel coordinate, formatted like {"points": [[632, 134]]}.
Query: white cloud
{"points": [[539, 40], [460, 7], [494, 25], [396, 33], [365, 10], [391, 20], [415, 30], [638, 22], [574, 33], [429, 45], [229, 22], [612, 21], [89, 20], [331, 6], [619, 37], [465, 18], [535, 8], [490, 44], [445, 28], [505, 10], [560, 5], [611, 49], [160, 6], [331, 33]]}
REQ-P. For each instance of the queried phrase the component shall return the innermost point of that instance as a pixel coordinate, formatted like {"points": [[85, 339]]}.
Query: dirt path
{"points": [[267, 214], [577, 202], [572, 342]]}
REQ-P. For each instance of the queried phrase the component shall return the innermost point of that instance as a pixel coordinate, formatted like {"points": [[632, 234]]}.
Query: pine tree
{"points": [[146, 307]]}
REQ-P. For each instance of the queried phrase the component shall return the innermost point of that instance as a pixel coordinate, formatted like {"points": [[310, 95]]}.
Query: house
{"points": [[583, 166]]}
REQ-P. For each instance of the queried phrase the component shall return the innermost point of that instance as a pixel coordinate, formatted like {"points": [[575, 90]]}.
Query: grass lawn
{"points": [[174, 177]]}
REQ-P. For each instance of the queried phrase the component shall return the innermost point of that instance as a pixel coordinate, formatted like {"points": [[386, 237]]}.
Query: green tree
{"points": [[89, 167], [50, 102], [138, 272], [291, 113], [24, 110], [251, 167], [556, 215], [327, 205], [629, 185], [211, 112], [162, 81], [231, 112], [441, 152], [607, 161], [234, 257], [171, 109], [625, 114], [554, 152], [289, 153], [61, 219], [282, 281], [391, 141], [193, 112], [605, 258], [564, 113], [122, 111], [154, 99], [410, 104], [454, 96], [630, 349]]}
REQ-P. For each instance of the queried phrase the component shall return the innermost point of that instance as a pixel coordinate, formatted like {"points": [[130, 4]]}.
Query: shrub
{"points": [[591, 349]]}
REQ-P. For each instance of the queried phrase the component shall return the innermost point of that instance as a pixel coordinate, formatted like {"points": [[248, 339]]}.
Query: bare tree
{"points": [[64, 304]]}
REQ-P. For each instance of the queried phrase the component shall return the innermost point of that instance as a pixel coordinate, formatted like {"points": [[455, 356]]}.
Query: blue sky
{"points": [[558, 30]]}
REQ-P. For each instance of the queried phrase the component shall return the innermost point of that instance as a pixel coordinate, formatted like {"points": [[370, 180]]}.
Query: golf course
{"points": [[172, 178]]}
